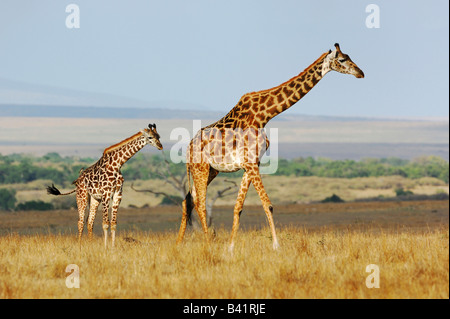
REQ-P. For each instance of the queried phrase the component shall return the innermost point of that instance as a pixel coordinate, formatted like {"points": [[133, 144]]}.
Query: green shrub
{"points": [[172, 200], [333, 199], [401, 192], [7, 199], [34, 205]]}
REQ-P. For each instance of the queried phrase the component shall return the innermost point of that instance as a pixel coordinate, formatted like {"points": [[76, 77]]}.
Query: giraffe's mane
{"points": [[120, 144], [291, 79]]}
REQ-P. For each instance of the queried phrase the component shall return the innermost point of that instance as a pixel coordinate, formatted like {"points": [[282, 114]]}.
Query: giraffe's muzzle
{"points": [[359, 73]]}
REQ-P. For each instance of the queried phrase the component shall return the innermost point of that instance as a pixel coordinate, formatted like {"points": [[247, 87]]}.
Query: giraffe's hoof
{"points": [[276, 245]]}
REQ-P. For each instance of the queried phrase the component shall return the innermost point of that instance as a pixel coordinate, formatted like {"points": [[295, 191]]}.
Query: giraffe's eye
{"points": [[342, 60]]}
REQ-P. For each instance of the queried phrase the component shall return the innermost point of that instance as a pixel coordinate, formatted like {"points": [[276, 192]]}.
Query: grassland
{"points": [[311, 264], [325, 249]]}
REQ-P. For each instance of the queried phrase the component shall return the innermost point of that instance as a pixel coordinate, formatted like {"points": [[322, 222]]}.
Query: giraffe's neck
{"points": [[265, 105], [121, 152]]}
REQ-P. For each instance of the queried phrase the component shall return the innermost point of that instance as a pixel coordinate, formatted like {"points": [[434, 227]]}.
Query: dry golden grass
{"points": [[321, 263]]}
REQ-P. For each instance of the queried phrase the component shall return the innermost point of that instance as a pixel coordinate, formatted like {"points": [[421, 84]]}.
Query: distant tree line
{"points": [[8, 202], [60, 170], [18, 168], [426, 166]]}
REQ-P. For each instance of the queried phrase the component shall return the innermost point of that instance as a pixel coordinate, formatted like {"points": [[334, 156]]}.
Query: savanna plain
{"points": [[325, 249]]}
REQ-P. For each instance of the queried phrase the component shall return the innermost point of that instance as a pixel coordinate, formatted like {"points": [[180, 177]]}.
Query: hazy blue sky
{"points": [[208, 53]]}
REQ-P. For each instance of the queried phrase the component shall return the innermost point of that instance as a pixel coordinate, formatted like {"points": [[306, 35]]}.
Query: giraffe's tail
{"points": [[52, 190], [188, 172], [188, 201]]}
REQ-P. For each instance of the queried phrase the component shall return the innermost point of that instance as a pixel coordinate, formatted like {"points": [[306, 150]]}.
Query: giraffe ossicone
{"points": [[238, 141], [103, 181]]}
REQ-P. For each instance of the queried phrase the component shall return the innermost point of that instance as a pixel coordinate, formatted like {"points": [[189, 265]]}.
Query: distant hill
{"points": [[31, 100], [168, 110], [21, 93], [20, 99], [10, 110]]}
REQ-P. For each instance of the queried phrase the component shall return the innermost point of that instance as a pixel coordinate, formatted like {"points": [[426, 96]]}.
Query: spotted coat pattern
{"points": [[103, 181], [237, 141]]}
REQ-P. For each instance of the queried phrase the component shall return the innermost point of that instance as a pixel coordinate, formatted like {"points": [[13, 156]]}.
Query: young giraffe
{"points": [[237, 141], [103, 181]]}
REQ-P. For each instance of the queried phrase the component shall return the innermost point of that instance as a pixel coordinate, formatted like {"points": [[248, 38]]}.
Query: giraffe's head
{"points": [[340, 62], [151, 136]]}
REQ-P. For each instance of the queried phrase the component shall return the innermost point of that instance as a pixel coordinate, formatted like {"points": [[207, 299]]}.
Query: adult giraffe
{"points": [[237, 141]]}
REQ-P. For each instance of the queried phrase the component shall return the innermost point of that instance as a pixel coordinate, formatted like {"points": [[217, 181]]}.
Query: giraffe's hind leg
{"points": [[92, 212], [192, 199], [200, 174], [82, 199], [187, 205]]}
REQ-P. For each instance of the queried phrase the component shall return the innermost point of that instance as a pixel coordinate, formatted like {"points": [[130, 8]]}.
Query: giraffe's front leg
{"points": [[268, 208], [117, 198], [245, 183]]}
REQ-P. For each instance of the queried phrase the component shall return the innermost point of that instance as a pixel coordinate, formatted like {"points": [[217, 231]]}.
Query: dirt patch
{"points": [[381, 215]]}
